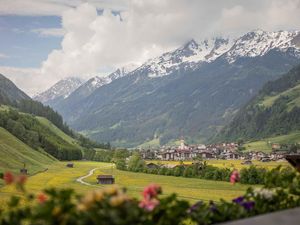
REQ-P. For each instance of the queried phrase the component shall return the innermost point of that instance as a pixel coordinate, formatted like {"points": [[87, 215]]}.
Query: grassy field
{"points": [[58, 175], [293, 93], [265, 144], [237, 164], [13, 153], [191, 189], [57, 131]]}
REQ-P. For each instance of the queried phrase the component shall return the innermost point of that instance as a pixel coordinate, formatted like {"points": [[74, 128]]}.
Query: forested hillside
{"points": [[15, 153], [274, 111], [40, 127], [30, 131]]}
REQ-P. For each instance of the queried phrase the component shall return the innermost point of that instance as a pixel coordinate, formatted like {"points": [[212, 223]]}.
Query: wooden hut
{"points": [[23, 171], [152, 166], [70, 165], [105, 179]]}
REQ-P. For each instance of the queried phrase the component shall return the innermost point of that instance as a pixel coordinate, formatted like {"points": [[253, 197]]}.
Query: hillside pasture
{"points": [[265, 145], [14, 153], [58, 175]]}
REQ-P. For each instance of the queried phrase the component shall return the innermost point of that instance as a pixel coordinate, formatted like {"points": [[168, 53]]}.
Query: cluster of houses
{"points": [[227, 151]]}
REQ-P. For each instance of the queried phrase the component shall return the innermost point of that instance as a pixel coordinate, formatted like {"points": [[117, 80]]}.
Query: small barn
{"points": [[247, 162], [105, 179], [70, 165], [23, 171], [152, 166]]}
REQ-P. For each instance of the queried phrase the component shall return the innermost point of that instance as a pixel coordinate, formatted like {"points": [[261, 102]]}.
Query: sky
{"points": [[43, 41]]}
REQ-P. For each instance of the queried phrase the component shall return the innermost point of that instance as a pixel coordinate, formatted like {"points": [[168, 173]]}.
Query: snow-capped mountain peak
{"points": [[61, 89], [98, 81], [259, 42], [186, 57]]}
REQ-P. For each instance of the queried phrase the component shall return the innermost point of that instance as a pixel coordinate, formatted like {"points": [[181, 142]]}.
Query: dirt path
{"points": [[91, 172]]}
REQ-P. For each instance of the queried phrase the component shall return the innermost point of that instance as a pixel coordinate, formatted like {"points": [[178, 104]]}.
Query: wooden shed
{"points": [[105, 179], [70, 165], [152, 166], [23, 171]]}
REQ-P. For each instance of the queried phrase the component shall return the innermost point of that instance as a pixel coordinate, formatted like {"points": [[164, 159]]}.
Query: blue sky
{"points": [[21, 45]]}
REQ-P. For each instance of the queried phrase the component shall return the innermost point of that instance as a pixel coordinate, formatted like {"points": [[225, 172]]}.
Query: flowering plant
{"points": [[112, 205]]}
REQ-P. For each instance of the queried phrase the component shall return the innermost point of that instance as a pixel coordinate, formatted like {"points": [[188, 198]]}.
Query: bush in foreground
{"points": [[113, 206]]}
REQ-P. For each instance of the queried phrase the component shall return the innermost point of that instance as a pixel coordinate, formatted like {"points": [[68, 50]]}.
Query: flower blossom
{"points": [[248, 205], [42, 198], [8, 178], [151, 191], [150, 200], [264, 193], [234, 177], [149, 205]]}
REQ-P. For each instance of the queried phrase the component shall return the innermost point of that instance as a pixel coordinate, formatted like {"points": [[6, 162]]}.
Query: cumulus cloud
{"points": [[29, 80], [52, 7], [100, 36]]}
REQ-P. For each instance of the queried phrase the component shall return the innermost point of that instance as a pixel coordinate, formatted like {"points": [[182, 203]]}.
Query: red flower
{"points": [[42, 198], [8, 178], [151, 191], [234, 177]]}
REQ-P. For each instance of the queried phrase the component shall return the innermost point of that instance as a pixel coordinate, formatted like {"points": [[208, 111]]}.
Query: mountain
{"points": [[192, 91], [40, 127], [66, 105], [274, 111], [62, 89], [9, 92], [186, 57]]}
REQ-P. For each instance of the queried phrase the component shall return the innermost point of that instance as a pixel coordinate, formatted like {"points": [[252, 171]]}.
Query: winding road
{"points": [[91, 172]]}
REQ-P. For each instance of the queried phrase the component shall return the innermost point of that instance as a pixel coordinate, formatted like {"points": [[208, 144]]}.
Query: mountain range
{"points": [[192, 91]]}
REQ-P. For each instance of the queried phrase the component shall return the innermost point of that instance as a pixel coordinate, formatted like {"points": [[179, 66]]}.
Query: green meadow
{"points": [[58, 175]]}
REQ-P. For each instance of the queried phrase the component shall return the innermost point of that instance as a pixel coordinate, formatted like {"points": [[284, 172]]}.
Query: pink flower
{"points": [[150, 201], [8, 178], [149, 205], [234, 177], [151, 191]]}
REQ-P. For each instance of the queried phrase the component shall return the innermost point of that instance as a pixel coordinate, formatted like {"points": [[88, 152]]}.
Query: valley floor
{"points": [[58, 175]]}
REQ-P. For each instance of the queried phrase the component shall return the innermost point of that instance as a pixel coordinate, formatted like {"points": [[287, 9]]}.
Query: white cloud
{"points": [[55, 32], [53, 7], [94, 43], [27, 79]]}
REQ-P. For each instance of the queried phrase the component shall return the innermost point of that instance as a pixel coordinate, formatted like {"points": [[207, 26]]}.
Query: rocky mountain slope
{"points": [[9, 92], [192, 91], [59, 91]]}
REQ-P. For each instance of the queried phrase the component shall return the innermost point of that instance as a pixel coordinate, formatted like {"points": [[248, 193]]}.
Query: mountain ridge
{"points": [[170, 96]]}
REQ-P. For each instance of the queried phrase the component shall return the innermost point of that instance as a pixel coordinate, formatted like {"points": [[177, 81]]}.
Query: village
{"points": [[225, 151]]}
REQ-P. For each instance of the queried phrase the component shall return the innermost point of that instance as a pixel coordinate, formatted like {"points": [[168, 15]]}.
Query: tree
{"points": [[136, 163], [121, 164]]}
